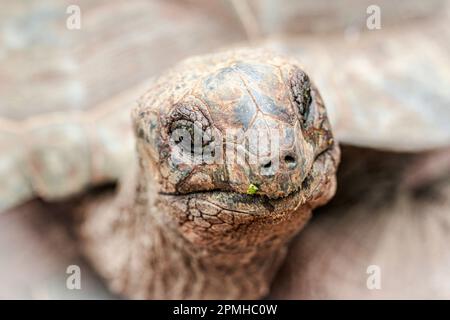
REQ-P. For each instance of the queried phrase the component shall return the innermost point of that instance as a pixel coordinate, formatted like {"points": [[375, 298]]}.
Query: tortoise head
{"points": [[239, 147]]}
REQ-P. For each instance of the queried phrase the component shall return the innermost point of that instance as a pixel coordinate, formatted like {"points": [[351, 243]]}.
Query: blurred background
{"points": [[46, 67]]}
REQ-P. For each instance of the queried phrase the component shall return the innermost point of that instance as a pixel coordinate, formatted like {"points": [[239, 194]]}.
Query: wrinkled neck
{"points": [[166, 265]]}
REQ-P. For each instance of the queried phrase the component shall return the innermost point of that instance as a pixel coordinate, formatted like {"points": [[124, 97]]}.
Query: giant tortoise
{"points": [[221, 230]]}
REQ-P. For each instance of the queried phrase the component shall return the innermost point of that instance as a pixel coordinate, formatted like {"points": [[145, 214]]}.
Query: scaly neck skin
{"points": [[164, 265]]}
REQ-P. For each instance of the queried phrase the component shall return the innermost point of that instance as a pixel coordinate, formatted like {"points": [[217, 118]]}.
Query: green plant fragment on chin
{"points": [[252, 189]]}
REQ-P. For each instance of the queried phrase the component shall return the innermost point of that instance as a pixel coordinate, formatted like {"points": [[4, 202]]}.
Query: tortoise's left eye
{"points": [[301, 90]]}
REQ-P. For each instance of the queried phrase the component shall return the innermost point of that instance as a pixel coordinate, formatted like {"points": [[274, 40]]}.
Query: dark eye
{"points": [[181, 129], [301, 90], [190, 130], [187, 135]]}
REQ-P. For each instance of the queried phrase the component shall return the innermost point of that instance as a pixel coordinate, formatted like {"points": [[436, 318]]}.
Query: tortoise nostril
{"points": [[267, 165], [290, 161]]}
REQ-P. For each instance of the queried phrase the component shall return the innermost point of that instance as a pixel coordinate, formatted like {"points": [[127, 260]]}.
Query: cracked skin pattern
{"points": [[180, 230]]}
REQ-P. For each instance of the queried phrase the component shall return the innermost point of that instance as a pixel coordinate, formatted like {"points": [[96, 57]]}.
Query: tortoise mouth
{"points": [[238, 202], [256, 204]]}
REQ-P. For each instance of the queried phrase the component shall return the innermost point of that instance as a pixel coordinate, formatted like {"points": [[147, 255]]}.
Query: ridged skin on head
{"points": [[189, 230]]}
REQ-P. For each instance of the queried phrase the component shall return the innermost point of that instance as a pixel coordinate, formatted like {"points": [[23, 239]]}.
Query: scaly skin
{"points": [[182, 230]]}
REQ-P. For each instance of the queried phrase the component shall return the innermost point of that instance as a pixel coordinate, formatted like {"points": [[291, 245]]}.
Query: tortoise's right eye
{"points": [[301, 91], [189, 130], [184, 134]]}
